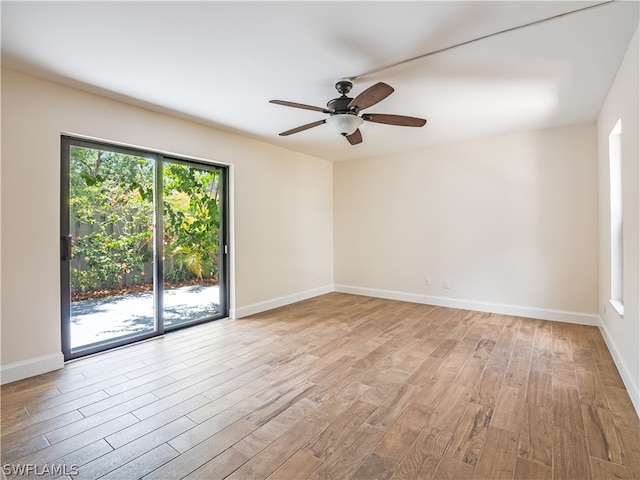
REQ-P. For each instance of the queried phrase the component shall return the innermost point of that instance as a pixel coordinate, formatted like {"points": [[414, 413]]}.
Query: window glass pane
{"points": [[192, 241], [615, 188], [111, 223]]}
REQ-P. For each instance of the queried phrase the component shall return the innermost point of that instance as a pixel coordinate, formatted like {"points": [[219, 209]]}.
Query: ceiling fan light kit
{"points": [[344, 111], [345, 123]]}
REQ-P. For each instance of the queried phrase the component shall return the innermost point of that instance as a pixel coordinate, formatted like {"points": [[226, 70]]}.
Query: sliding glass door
{"points": [[191, 217], [143, 245]]}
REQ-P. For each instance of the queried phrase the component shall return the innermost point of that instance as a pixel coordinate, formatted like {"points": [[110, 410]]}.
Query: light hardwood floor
{"points": [[336, 387]]}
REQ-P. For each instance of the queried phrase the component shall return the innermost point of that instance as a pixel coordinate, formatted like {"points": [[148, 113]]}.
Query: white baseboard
{"points": [[516, 310], [278, 302], [28, 368], [632, 387]]}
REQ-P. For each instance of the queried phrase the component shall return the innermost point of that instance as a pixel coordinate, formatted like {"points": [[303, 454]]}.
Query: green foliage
{"points": [[192, 218], [111, 203], [110, 206]]}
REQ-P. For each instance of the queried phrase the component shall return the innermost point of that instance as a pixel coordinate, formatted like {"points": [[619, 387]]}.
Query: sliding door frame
{"points": [[66, 142], [223, 240]]}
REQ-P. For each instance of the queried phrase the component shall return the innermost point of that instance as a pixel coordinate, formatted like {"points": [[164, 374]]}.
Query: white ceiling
{"points": [[221, 62]]}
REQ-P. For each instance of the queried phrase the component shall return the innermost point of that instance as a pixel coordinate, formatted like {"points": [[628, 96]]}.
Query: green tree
{"points": [[111, 202], [192, 220]]}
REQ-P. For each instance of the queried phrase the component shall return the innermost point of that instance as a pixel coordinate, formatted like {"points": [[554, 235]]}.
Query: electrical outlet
{"points": [[427, 281], [447, 284]]}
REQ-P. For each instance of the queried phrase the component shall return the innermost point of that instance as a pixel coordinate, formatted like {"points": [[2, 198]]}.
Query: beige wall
{"points": [[511, 221], [282, 207], [623, 334]]}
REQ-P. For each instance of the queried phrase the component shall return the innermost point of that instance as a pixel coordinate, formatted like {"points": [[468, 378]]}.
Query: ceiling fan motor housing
{"points": [[340, 105]]}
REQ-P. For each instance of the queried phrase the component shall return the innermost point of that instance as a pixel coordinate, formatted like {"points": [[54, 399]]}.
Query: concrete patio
{"points": [[103, 319]]}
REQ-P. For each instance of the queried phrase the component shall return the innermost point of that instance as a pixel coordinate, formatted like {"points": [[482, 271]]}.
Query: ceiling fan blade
{"points": [[400, 120], [355, 138], [302, 127], [300, 105], [372, 95]]}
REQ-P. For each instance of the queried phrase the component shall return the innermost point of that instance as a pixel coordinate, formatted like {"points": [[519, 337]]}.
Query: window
{"points": [[615, 205]]}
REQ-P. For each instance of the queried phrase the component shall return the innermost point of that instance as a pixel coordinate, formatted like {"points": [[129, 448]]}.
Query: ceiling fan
{"points": [[344, 112]]}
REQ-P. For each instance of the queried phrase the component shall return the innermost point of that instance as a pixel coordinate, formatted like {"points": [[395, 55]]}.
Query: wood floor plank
{"points": [[24, 421], [194, 458], [602, 438], [221, 403], [211, 427], [375, 467], [169, 401], [508, 409], [291, 394], [379, 391], [423, 457], [539, 389], [352, 452], [38, 404], [542, 356], [331, 406], [630, 440], [263, 463], [336, 386], [9, 440], [447, 414], [582, 355], [23, 448], [135, 383], [451, 469], [566, 409], [151, 424], [98, 418], [131, 451], [621, 407], [425, 372], [12, 415], [399, 438], [535, 442], [486, 390], [86, 454], [56, 379], [528, 470], [130, 395], [301, 465], [388, 412], [25, 397], [279, 425], [347, 422], [469, 436], [609, 374], [471, 372], [591, 389], [219, 467], [71, 444], [570, 455], [498, 458], [603, 470], [143, 464]]}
